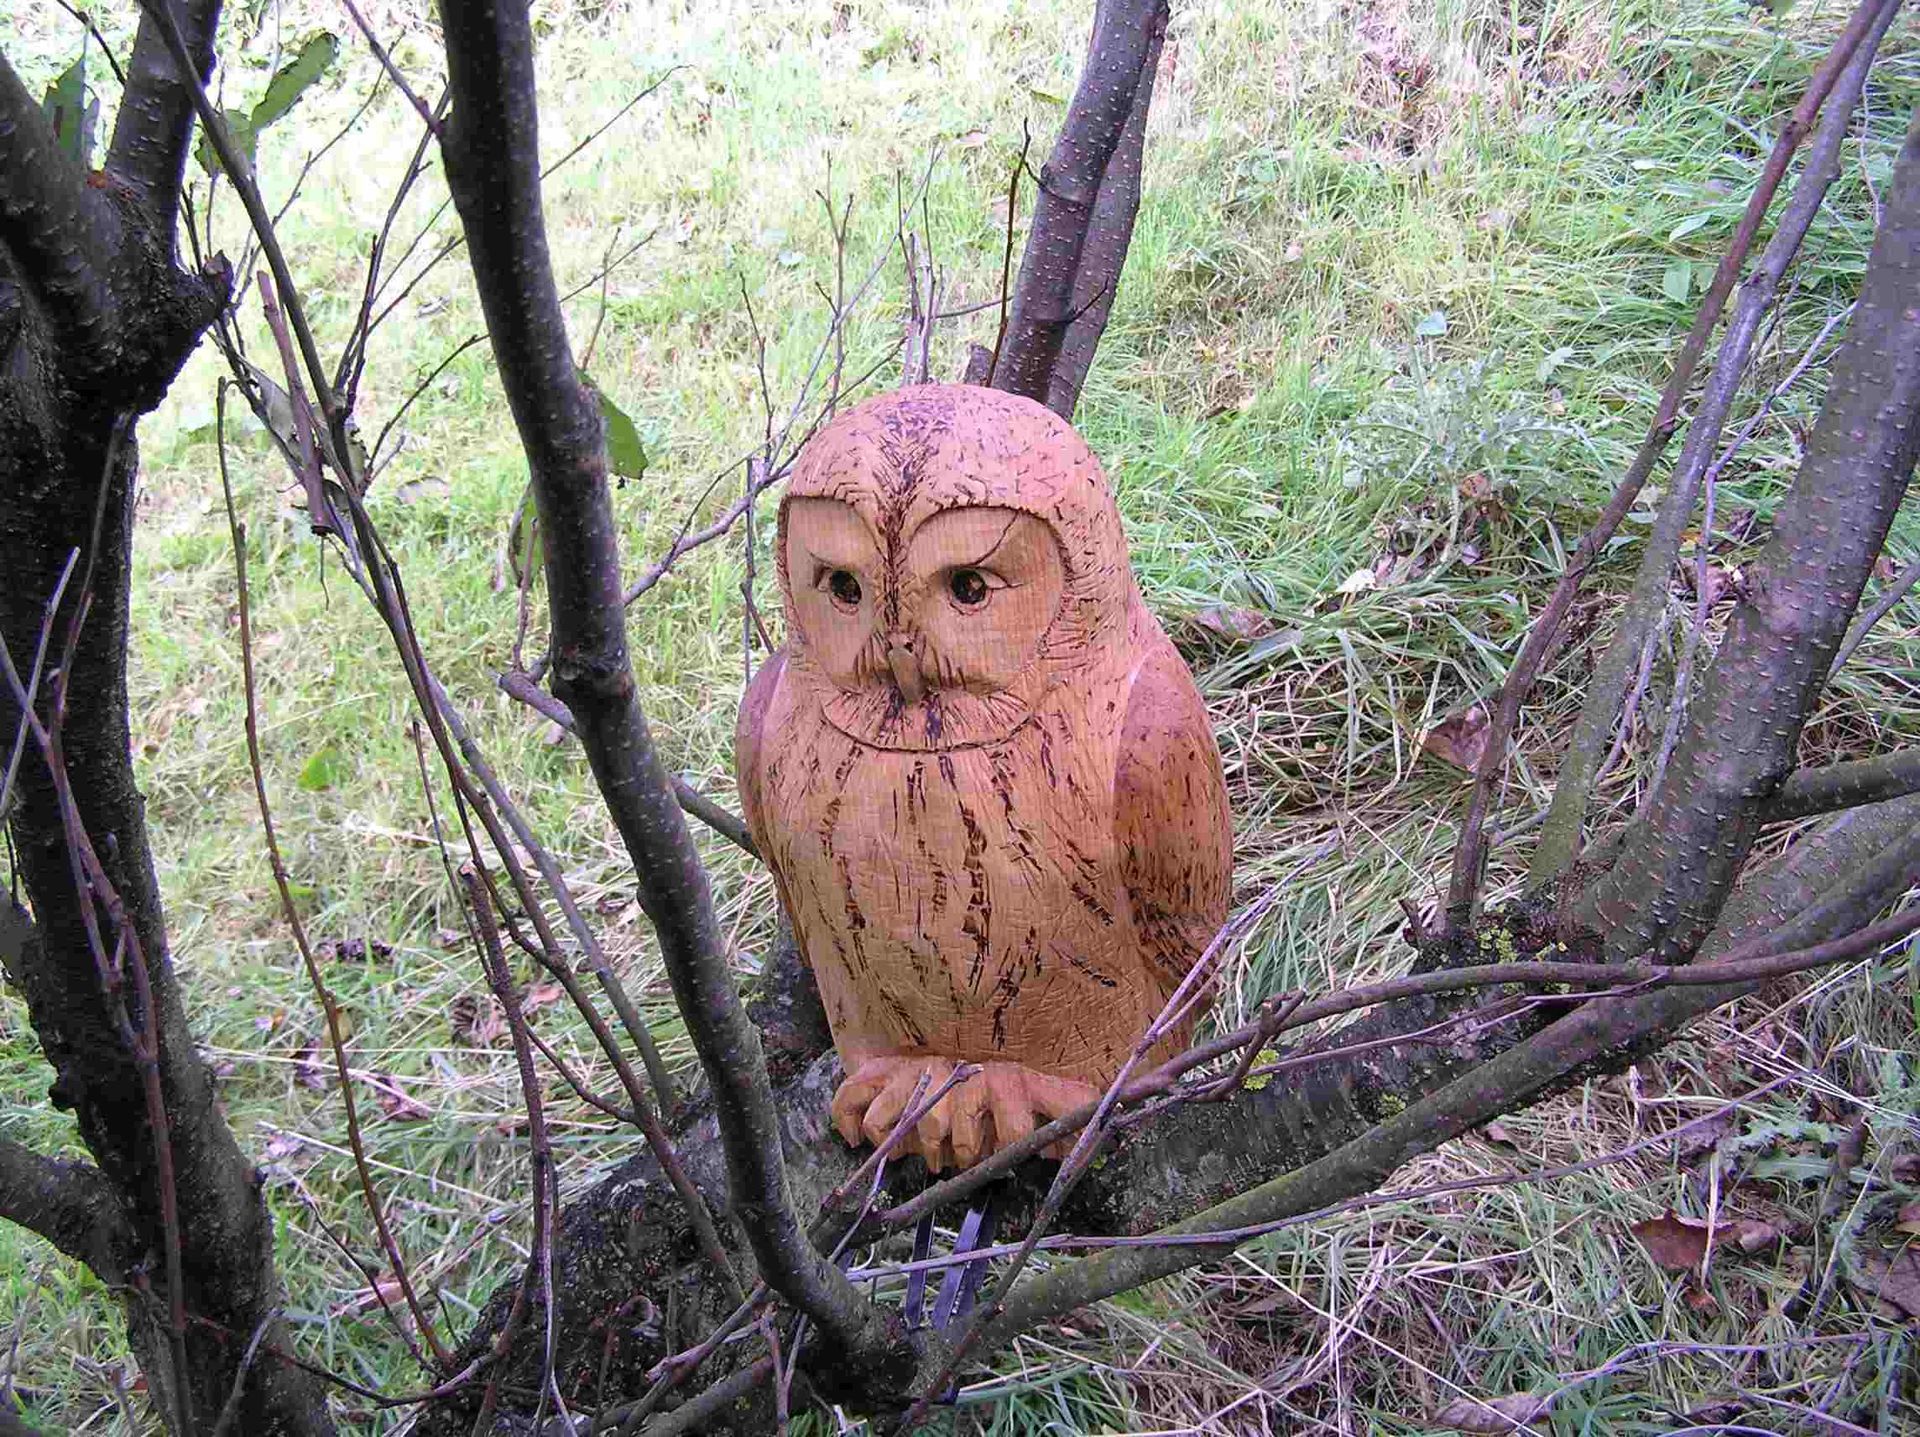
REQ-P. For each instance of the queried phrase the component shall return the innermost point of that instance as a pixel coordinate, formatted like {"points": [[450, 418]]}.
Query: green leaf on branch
{"points": [[289, 83], [626, 455], [73, 112], [295, 78]]}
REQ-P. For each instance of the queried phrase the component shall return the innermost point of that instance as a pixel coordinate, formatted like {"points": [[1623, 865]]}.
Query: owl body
{"points": [[979, 771]]}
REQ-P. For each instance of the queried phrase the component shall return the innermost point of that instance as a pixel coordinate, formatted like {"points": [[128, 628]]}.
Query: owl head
{"points": [[947, 554]]}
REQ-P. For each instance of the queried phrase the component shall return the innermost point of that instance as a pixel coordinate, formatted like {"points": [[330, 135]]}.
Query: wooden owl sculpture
{"points": [[981, 774]]}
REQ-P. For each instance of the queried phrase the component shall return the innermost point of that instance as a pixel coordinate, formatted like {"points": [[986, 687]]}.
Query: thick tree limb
{"points": [[1809, 791], [1126, 35], [148, 155], [1103, 256], [69, 1204], [58, 234], [1682, 854], [492, 158], [1845, 73]]}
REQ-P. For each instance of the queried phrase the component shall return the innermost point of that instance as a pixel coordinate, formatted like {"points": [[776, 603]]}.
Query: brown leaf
{"points": [[1493, 1414], [1891, 1274], [1906, 1168], [396, 1102], [307, 1070], [1676, 1243], [1749, 1234], [1497, 1133], [541, 995], [1231, 621], [1459, 739], [476, 1019], [449, 938]]}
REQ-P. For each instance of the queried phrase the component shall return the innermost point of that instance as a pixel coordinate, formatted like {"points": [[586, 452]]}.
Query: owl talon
{"points": [[974, 1120]]}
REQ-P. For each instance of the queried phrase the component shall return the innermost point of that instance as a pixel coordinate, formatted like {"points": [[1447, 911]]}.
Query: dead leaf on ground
{"points": [[1674, 1242], [396, 1102], [1700, 1301], [1680, 1243], [449, 938], [541, 995], [308, 1071], [1459, 739], [1232, 621], [476, 1019], [1493, 1414], [1891, 1274]]}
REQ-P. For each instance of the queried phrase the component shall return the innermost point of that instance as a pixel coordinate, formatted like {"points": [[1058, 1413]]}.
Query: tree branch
{"points": [[1109, 236], [491, 150], [1845, 785], [148, 154], [1682, 855], [56, 232], [1126, 35], [1844, 73], [71, 1205]]}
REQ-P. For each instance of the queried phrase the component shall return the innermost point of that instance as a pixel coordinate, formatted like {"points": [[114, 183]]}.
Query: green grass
{"points": [[1404, 281]]}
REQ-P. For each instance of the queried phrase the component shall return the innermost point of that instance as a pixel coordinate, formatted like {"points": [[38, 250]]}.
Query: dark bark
{"points": [[1103, 256], [1845, 785], [148, 156], [104, 322], [491, 151], [1682, 855], [1109, 104], [69, 1204]]}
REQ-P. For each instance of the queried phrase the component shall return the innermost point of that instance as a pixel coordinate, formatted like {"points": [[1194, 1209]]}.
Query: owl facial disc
{"points": [[946, 554]]}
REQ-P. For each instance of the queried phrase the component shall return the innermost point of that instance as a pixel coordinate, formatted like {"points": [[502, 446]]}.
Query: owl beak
{"points": [[906, 671]]}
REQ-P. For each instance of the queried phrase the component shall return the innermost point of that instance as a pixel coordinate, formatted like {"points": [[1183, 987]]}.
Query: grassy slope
{"points": [[1322, 179]]}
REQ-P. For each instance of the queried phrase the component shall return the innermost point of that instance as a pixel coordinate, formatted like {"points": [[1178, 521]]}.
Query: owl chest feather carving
{"points": [[980, 773]]}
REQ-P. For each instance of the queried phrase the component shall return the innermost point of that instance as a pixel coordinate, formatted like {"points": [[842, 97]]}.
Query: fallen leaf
{"points": [[475, 1019], [1749, 1234], [449, 938], [1906, 1168], [1459, 739], [1699, 1300], [282, 1145], [1231, 621], [541, 995], [1493, 1414], [1358, 582], [1891, 1274], [1497, 1133], [308, 1071], [396, 1102], [1676, 1243]]}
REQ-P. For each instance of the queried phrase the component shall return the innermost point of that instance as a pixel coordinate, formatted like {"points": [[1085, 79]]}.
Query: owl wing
{"points": [[748, 749], [1171, 820]]}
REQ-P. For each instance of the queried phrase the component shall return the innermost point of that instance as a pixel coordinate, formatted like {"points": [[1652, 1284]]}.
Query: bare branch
{"points": [[1844, 74], [1845, 785], [55, 230], [1544, 635], [148, 153], [492, 157], [71, 1205], [1126, 35], [1682, 855]]}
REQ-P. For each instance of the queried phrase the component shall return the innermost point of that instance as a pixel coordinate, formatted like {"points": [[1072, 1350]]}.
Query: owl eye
{"points": [[969, 588], [845, 588]]}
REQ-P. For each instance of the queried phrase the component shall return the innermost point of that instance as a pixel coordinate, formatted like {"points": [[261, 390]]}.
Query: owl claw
{"points": [[977, 1118]]}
